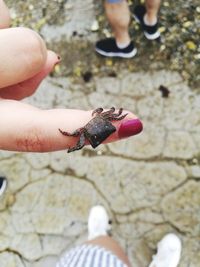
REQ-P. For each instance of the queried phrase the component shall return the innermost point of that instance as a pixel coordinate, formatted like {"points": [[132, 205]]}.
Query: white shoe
{"points": [[98, 222], [168, 252]]}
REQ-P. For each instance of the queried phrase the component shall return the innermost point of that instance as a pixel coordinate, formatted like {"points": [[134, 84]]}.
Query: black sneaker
{"points": [[108, 47], [3, 185], [150, 32]]}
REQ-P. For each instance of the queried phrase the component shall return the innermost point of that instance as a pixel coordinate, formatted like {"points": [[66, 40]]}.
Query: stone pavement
{"points": [[150, 184]]}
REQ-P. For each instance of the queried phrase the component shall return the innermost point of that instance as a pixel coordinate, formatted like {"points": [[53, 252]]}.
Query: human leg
{"points": [[147, 16], [152, 8], [118, 14]]}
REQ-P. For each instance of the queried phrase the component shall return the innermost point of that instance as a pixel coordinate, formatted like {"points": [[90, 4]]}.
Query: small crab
{"points": [[97, 129]]}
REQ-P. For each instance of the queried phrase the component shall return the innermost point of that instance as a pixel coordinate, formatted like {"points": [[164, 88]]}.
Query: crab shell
{"points": [[97, 132]]}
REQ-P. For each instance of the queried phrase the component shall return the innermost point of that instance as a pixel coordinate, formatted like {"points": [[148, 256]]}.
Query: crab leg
{"points": [[98, 111], [80, 144], [119, 113], [118, 118], [109, 112], [75, 133]]}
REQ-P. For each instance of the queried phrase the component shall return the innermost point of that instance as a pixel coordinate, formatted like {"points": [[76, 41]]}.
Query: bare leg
{"points": [[152, 7], [119, 17], [110, 244]]}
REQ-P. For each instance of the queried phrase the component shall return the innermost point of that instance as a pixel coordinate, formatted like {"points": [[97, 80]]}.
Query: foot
{"points": [[168, 252], [108, 47], [98, 222], [150, 31], [3, 185]]}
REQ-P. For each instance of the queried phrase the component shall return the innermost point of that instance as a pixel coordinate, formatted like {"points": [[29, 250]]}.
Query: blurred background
{"points": [[150, 183]]}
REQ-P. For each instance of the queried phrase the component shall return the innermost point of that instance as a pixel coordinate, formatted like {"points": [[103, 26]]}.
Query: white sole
{"points": [[151, 37], [121, 55], [3, 188]]}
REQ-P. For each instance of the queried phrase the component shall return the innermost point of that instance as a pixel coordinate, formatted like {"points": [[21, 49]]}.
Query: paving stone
{"points": [[10, 259], [146, 145], [196, 138], [165, 78], [194, 171], [54, 245], [63, 162], [49, 261], [38, 160], [150, 108], [97, 99], [4, 243], [108, 85], [137, 84], [22, 223], [57, 95], [182, 208], [192, 121], [29, 246], [7, 154], [76, 12], [133, 185], [190, 254], [174, 111], [55, 203], [16, 170], [179, 144], [36, 175]]}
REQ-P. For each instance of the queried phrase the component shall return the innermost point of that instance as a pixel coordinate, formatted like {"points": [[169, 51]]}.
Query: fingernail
{"points": [[129, 128]]}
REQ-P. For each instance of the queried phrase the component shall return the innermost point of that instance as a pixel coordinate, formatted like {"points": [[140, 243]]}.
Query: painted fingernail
{"points": [[129, 128]]}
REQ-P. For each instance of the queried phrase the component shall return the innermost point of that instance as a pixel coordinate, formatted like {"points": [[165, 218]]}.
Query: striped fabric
{"points": [[89, 256]]}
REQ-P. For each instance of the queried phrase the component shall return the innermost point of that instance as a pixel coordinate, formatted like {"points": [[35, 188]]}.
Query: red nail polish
{"points": [[129, 128]]}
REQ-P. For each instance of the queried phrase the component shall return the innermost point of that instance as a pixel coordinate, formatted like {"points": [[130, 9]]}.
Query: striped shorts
{"points": [[89, 256]]}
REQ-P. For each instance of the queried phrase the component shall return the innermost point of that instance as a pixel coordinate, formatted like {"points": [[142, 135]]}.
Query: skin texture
{"points": [[23, 67]]}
